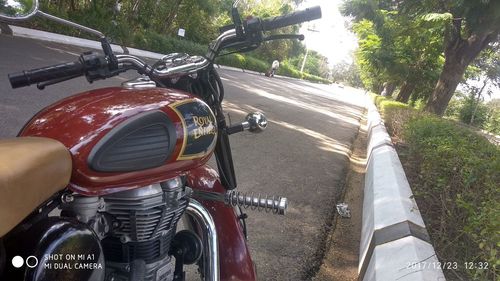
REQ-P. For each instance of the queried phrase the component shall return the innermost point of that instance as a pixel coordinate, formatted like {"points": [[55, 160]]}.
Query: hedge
{"points": [[458, 191]]}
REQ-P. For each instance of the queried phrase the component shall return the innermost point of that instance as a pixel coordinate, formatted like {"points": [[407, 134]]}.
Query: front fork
{"points": [[212, 212]]}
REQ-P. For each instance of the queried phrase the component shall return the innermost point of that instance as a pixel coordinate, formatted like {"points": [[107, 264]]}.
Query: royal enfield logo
{"points": [[205, 126], [200, 129]]}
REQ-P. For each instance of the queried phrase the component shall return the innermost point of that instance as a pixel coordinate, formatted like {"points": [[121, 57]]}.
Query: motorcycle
{"points": [[94, 185]]}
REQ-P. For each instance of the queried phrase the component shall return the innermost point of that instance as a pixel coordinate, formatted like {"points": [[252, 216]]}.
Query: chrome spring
{"points": [[274, 204]]}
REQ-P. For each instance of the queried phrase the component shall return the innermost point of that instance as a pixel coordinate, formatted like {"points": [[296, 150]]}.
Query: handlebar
{"points": [[299, 37], [91, 64], [291, 19], [97, 67], [34, 76]]}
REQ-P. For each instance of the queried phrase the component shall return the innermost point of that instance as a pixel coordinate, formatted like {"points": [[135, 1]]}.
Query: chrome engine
{"points": [[136, 228]]}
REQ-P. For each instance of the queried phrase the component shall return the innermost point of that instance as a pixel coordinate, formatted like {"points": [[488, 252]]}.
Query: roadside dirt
{"points": [[342, 247]]}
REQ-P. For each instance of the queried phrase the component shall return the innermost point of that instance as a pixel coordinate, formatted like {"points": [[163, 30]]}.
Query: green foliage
{"points": [[243, 62], [385, 104], [277, 49], [316, 64], [438, 17], [368, 54], [288, 69], [251, 63], [493, 123], [17, 8], [396, 114], [314, 78], [403, 42], [470, 106], [161, 44], [347, 73], [469, 28], [486, 115], [7, 9], [457, 191], [394, 49], [453, 109], [418, 104], [480, 16]]}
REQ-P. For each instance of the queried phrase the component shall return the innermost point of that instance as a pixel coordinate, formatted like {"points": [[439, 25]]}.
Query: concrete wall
{"points": [[394, 242]]}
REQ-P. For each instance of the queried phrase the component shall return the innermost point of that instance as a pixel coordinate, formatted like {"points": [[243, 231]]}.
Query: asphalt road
{"points": [[302, 155]]}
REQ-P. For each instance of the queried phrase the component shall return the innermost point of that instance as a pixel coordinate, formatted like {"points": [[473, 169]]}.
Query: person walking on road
{"points": [[275, 66]]}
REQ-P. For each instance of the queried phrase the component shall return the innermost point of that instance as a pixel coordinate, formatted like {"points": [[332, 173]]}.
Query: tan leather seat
{"points": [[31, 170]]}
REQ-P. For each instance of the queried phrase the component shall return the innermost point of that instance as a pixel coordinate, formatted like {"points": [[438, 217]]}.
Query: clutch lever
{"points": [[42, 85], [299, 37]]}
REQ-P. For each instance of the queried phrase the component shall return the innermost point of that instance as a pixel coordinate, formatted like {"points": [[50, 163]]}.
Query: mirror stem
{"points": [[106, 46], [72, 24], [108, 52]]}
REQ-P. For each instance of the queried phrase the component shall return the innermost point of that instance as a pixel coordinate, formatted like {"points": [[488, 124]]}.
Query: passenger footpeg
{"points": [[269, 204]]}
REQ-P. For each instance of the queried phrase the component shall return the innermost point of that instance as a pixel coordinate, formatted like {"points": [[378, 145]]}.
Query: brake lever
{"points": [[299, 37], [42, 85], [244, 46]]}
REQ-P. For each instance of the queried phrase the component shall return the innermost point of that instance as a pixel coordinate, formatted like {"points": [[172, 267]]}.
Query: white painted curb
{"points": [[394, 243]]}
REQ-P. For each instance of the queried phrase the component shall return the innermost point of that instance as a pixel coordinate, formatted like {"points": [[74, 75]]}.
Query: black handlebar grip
{"points": [[34, 76], [291, 19]]}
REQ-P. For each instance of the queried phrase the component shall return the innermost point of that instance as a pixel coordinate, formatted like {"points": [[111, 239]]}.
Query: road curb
{"points": [[394, 242]]}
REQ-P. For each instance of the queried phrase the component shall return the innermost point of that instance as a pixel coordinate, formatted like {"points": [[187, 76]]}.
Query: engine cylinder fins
{"points": [[148, 212], [147, 219]]}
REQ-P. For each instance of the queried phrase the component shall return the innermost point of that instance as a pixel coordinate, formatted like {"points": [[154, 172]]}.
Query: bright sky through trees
{"points": [[333, 40]]}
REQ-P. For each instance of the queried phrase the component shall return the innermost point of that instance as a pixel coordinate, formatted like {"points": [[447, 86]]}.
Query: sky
{"points": [[333, 39]]}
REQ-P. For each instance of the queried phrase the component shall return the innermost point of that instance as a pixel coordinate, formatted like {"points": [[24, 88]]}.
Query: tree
{"points": [[471, 26], [347, 73], [473, 111], [468, 27], [418, 47], [483, 73], [369, 55], [394, 50], [316, 64], [6, 9], [277, 49]]}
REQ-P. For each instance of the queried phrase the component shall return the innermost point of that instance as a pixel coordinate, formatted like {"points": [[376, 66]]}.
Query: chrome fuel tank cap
{"points": [[142, 82]]}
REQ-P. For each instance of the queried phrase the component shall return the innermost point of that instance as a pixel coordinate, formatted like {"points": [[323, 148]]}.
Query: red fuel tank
{"points": [[121, 139]]}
